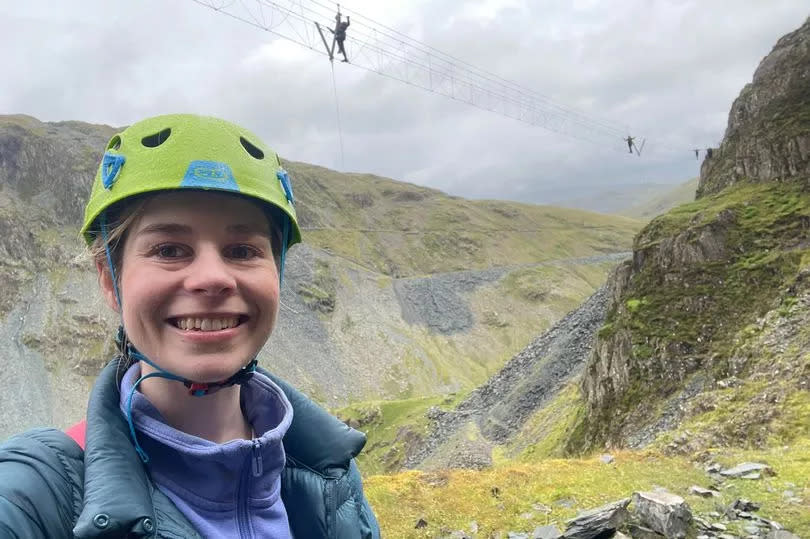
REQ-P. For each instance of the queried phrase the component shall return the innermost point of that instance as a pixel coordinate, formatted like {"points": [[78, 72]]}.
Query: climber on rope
{"points": [[629, 140], [188, 224], [340, 34], [697, 153]]}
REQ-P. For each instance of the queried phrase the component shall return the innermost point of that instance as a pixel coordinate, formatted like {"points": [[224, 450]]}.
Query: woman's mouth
{"points": [[190, 323]]}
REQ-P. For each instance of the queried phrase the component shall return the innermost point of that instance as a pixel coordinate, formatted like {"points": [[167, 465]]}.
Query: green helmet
{"points": [[184, 151]]}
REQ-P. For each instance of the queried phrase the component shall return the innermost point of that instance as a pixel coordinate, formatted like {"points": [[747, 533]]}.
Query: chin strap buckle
{"points": [[197, 389]]}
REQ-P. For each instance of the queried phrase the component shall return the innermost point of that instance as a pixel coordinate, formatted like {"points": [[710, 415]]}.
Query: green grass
{"points": [[546, 432], [390, 426], [449, 500]]}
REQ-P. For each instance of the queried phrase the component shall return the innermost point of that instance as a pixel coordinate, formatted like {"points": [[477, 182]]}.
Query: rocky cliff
{"points": [[767, 137], [692, 304]]}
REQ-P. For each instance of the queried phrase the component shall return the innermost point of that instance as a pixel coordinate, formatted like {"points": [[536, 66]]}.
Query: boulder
{"points": [[598, 521], [663, 512], [748, 469]]}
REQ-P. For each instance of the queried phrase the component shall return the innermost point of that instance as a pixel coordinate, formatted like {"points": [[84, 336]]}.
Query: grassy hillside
{"points": [[401, 229], [519, 497], [706, 273], [662, 202]]}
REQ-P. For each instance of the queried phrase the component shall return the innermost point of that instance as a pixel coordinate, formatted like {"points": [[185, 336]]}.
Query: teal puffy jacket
{"points": [[49, 487]]}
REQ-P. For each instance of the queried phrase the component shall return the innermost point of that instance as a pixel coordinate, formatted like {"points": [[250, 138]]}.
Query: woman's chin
{"points": [[210, 371]]}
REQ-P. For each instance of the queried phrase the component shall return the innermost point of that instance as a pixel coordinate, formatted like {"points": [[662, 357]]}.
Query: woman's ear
{"points": [[105, 282]]}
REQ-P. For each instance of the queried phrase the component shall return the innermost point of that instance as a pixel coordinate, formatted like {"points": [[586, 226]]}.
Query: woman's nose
{"points": [[210, 273]]}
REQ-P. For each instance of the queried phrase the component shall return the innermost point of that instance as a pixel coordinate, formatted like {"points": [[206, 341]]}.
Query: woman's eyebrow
{"points": [[165, 228]]}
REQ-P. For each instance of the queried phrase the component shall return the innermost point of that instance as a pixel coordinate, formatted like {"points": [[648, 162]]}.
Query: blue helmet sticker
{"points": [[286, 184], [110, 167], [209, 175]]}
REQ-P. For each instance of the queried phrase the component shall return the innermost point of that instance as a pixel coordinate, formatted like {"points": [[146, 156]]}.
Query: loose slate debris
{"points": [[598, 521], [663, 512]]}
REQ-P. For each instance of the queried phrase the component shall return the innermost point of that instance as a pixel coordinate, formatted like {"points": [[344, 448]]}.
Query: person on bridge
{"points": [[188, 221], [629, 140], [340, 34]]}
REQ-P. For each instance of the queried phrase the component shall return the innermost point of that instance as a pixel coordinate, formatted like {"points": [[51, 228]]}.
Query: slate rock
{"points": [[541, 508], [702, 492], [663, 512], [782, 534], [702, 523], [741, 504], [517, 535], [546, 532], [713, 468], [640, 532], [747, 468], [597, 521]]}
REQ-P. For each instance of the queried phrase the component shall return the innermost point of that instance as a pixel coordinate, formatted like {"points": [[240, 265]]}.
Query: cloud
{"points": [[665, 70]]}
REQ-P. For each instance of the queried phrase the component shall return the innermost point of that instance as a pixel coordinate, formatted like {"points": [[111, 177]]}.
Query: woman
{"points": [[189, 221]]}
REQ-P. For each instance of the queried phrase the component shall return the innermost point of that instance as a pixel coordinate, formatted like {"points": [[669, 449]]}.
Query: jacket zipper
{"points": [[253, 470]]}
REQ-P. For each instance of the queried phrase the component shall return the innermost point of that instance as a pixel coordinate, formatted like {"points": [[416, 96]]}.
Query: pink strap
{"points": [[78, 432]]}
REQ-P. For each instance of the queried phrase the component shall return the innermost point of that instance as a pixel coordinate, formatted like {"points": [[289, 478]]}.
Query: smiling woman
{"points": [[189, 221]]}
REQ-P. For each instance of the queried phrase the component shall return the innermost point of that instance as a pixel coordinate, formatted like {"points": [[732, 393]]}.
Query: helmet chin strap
{"points": [[196, 389]]}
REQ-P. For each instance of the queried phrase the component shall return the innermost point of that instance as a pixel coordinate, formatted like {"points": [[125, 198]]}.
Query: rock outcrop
{"points": [[767, 136]]}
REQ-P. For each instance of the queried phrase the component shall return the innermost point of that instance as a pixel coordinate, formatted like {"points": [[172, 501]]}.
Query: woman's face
{"points": [[199, 285]]}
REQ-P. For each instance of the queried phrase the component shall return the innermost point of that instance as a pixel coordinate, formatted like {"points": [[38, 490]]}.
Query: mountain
{"points": [[399, 291], [662, 202]]}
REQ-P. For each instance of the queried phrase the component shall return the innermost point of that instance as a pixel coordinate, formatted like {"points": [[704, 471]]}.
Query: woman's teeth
{"points": [[207, 324]]}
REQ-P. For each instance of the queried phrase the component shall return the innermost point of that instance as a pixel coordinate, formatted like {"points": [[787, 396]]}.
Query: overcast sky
{"points": [[665, 70]]}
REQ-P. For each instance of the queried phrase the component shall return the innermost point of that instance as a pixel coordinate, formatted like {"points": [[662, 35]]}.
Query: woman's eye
{"points": [[242, 252], [169, 251]]}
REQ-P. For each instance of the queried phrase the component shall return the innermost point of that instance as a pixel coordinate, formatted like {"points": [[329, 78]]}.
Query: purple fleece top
{"points": [[225, 490]]}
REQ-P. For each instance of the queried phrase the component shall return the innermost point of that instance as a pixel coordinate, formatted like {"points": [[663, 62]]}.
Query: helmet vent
{"points": [[251, 149], [115, 143], [153, 141]]}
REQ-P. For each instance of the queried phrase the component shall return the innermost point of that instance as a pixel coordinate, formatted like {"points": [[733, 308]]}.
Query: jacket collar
{"points": [[316, 438], [118, 491]]}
